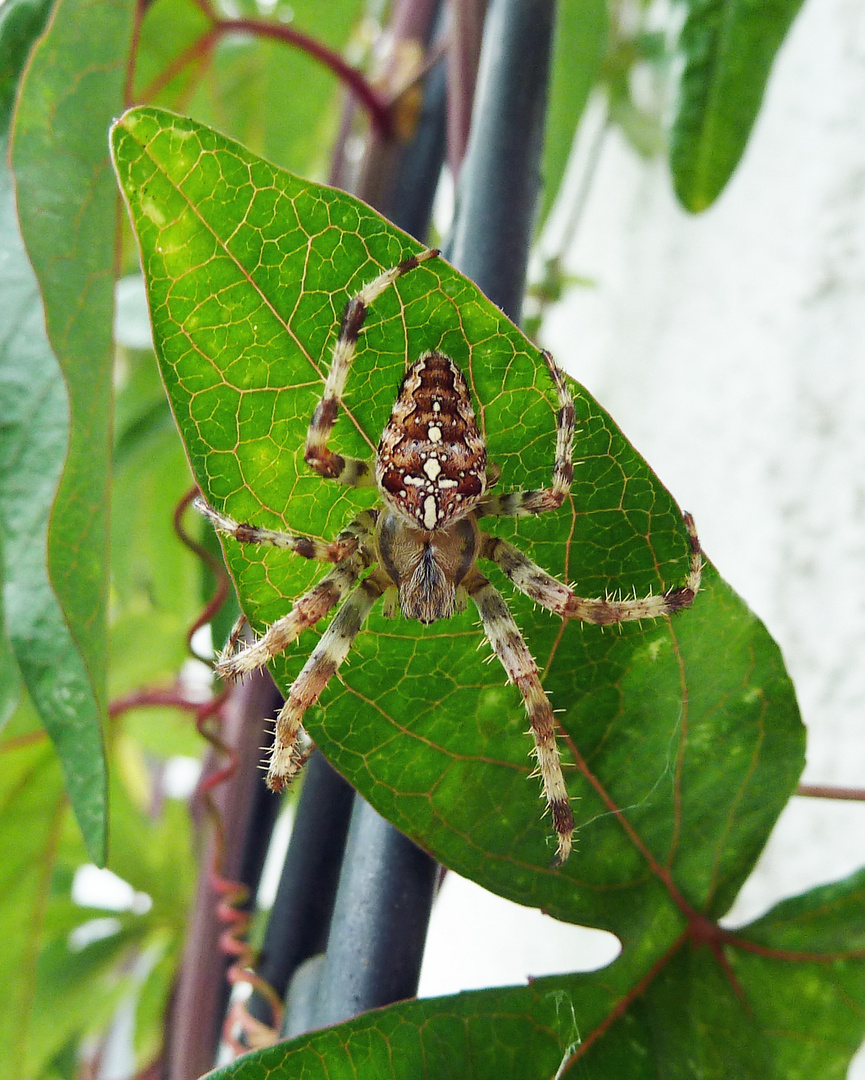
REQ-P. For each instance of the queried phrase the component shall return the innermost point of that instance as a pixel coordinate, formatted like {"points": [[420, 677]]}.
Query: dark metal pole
{"points": [[300, 917], [379, 925], [501, 176]]}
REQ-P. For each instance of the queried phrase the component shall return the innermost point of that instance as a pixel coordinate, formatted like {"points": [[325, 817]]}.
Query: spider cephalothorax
{"points": [[420, 549]]}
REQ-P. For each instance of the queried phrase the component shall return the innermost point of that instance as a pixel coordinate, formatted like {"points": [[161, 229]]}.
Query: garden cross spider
{"points": [[422, 546]]}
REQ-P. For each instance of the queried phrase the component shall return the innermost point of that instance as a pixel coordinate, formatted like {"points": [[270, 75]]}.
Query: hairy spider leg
{"points": [[517, 503], [550, 593], [306, 612], [351, 553], [508, 644], [308, 547], [232, 642], [322, 665], [352, 471], [307, 609]]}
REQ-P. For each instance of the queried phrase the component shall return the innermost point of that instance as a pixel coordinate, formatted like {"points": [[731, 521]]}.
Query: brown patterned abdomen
{"points": [[431, 463]]}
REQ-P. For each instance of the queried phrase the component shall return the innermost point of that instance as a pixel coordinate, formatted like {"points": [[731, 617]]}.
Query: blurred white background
{"points": [[730, 348]]}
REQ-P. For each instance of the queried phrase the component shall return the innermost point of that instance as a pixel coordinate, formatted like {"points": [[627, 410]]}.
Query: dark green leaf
{"points": [[73, 86], [728, 48], [766, 1011], [33, 443]]}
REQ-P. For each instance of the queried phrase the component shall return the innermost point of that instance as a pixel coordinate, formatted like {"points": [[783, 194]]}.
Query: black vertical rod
{"points": [[300, 917], [501, 177], [379, 921]]}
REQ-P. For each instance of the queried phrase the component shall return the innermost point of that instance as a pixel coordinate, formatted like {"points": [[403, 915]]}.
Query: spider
{"points": [[422, 546]]}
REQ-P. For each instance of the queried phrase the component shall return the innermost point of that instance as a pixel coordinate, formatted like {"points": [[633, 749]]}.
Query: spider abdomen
{"points": [[431, 464]]}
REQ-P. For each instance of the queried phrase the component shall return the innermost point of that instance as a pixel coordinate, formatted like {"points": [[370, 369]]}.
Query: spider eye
{"points": [[428, 595]]}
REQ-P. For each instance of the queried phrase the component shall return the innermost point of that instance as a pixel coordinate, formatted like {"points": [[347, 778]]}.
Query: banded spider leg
{"points": [[549, 592]]}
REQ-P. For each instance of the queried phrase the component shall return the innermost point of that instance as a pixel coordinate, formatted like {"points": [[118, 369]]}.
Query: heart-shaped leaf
{"points": [[780, 1000], [684, 733]]}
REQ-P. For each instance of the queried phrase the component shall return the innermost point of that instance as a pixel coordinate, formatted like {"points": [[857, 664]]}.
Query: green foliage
{"points": [[67, 221], [582, 29], [771, 1014], [728, 48], [60, 988], [244, 71], [248, 269]]}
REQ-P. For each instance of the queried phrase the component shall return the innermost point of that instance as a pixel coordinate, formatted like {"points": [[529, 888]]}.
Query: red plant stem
{"points": [[622, 1005], [465, 34], [793, 956], [232, 894], [200, 48], [819, 791], [375, 105], [378, 110], [175, 697], [140, 9], [227, 795], [221, 593]]}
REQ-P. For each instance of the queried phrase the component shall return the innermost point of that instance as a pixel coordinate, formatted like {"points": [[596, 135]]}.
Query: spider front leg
{"points": [[306, 612], [286, 756], [517, 503], [334, 466], [508, 644], [550, 593], [306, 546], [309, 608]]}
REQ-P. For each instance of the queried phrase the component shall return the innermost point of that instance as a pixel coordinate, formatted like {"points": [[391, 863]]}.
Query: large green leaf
{"points": [[684, 733], [779, 1000], [248, 269], [73, 85], [53, 544], [728, 48]]}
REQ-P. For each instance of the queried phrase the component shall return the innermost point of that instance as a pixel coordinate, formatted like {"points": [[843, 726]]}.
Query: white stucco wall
{"points": [[730, 348]]}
